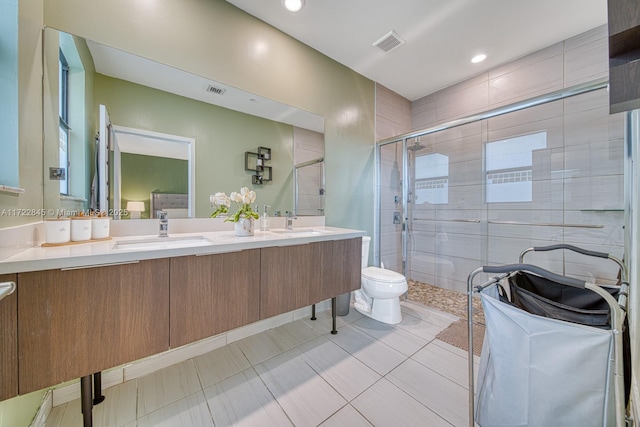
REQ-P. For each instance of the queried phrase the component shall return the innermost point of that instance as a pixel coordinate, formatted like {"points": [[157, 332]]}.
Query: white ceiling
{"points": [[441, 35]]}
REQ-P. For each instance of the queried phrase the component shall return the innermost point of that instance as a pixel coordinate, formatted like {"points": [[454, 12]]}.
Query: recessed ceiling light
{"points": [[479, 58], [293, 5]]}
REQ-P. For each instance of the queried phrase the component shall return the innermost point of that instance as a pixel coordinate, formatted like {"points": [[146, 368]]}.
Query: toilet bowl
{"points": [[379, 294]]}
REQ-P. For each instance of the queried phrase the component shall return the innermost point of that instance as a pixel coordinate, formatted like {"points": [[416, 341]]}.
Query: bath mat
{"points": [[456, 335]]}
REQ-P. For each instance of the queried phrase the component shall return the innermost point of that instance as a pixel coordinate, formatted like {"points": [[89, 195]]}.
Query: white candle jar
{"points": [[100, 227], [57, 230], [80, 228]]}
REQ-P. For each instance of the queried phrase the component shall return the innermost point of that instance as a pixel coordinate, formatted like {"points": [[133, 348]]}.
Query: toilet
{"points": [[379, 295]]}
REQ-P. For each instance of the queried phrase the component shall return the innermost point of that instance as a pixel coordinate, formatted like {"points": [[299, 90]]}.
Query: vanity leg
{"points": [[86, 401], [333, 315], [313, 312], [97, 388]]}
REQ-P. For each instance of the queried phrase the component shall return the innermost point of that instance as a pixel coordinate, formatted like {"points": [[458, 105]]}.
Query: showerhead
{"points": [[416, 145]]}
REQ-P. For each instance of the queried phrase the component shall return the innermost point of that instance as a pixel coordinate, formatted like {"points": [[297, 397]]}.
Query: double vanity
{"points": [[81, 309]]}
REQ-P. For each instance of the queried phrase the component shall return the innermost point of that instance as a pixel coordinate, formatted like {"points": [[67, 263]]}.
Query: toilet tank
{"points": [[365, 251]]}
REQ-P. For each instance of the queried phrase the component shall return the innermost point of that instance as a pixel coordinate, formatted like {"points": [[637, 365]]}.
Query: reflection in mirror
{"points": [[153, 169], [309, 172], [221, 122]]}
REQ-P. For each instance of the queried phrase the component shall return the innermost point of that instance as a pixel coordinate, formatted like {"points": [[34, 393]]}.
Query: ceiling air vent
{"points": [[215, 89], [389, 41]]}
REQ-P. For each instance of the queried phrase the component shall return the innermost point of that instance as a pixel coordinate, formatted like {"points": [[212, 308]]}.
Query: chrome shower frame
{"points": [[517, 106]]}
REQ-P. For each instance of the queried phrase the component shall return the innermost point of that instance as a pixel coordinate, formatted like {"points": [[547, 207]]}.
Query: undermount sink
{"points": [[301, 231], [163, 243]]}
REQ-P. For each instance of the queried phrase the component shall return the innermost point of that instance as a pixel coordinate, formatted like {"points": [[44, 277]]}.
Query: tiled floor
{"points": [[299, 374]]}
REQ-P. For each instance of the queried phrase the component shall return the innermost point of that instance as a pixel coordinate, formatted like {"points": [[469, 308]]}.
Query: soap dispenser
{"points": [[264, 219]]}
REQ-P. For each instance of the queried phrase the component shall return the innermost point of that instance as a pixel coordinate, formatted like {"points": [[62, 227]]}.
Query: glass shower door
{"points": [[445, 215], [390, 251], [481, 193]]}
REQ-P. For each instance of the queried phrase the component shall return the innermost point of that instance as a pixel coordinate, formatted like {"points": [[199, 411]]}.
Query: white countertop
{"points": [[105, 252]]}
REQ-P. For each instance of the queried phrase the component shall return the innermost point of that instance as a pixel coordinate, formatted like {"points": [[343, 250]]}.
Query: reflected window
{"points": [[509, 166], [63, 108], [432, 179]]}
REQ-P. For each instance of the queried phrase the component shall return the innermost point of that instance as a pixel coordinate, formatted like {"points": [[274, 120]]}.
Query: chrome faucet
{"points": [[164, 224], [290, 219]]}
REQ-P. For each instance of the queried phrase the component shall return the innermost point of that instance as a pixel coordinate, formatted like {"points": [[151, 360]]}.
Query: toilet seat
{"points": [[382, 275]]}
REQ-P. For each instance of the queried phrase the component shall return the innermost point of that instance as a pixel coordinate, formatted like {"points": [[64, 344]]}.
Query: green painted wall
{"points": [[215, 40], [142, 175], [222, 137]]}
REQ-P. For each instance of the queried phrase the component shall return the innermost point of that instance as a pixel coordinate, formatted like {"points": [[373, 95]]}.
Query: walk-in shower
{"points": [[478, 190]]}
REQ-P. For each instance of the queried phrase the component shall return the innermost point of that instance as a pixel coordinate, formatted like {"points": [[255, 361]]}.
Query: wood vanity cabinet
{"points": [[341, 267], [301, 275], [290, 278], [8, 342], [211, 294], [75, 322]]}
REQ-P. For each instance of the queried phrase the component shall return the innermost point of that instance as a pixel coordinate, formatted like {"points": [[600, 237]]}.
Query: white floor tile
{"points": [[324, 323], [117, 410], [55, 416], [119, 406], [420, 327], [220, 364], [384, 404], [166, 386], [244, 400], [296, 333], [263, 346], [302, 376], [441, 395], [431, 315], [346, 374], [346, 416], [397, 338], [378, 356], [305, 397], [67, 415], [447, 363], [191, 411]]}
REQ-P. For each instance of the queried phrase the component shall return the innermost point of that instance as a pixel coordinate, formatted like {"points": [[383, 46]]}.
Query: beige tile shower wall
{"points": [[393, 113], [307, 145], [577, 60]]}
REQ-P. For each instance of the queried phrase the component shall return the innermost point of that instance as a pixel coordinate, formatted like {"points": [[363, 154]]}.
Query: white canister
{"points": [[80, 228], [57, 230], [100, 227]]}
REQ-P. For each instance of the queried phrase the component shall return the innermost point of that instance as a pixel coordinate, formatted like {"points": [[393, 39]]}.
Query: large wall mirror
{"points": [[164, 131]]}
